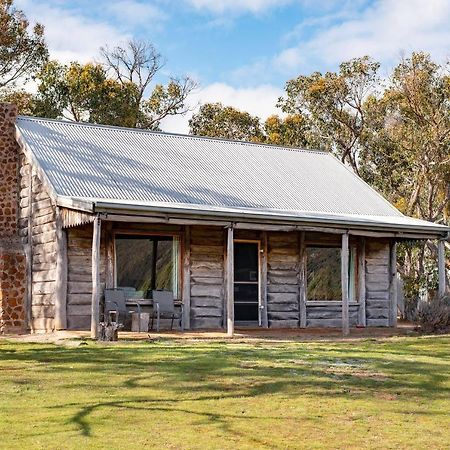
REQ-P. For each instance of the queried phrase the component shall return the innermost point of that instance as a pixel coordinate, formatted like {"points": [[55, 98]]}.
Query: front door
{"points": [[246, 282]]}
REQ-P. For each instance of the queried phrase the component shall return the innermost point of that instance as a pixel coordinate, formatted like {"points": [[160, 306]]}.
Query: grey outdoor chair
{"points": [[164, 307], [116, 300]]}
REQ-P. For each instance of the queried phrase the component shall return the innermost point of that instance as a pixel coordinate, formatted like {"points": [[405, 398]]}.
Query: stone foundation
{"points": [[12, 287]]}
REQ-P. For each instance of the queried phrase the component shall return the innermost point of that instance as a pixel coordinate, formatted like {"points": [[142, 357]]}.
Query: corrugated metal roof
{"points": [[85, 161]]}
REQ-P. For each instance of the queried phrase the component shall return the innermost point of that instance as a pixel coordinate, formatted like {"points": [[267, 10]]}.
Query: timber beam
{"points": [[230, 281], [95, 305], [344, 282]]}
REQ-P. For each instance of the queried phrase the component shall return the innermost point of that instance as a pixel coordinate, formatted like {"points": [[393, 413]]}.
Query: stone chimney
{"points": [[12, 256]]}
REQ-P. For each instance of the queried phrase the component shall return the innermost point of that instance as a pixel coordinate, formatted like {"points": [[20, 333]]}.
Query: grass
{"points": [[391, 393]]}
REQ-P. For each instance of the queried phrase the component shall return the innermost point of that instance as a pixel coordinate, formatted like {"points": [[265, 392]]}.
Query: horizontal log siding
{"points": [[207, 277], [377, 283], [79, 279], [282, 280], [42, 214], [329, 315]]}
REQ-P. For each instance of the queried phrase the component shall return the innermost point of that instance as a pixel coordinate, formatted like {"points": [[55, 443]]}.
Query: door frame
{"points": [[258, 242]]}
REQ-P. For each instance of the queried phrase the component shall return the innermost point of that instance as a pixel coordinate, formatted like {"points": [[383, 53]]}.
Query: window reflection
{"points": [[145, 263]]}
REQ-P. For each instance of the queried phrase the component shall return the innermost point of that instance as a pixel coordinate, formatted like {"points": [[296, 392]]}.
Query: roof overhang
{"points": [[400, 227]]}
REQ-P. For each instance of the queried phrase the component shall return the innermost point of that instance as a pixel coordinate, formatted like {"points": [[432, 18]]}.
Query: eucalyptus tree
{"points": [[406, 153], [138, 63], [84, 93], [333, 104], [23, 50], [292, 131], [112, 92], [217, 120]]}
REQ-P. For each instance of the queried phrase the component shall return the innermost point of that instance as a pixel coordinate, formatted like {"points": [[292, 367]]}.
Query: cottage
{"points": [[241, 233]]}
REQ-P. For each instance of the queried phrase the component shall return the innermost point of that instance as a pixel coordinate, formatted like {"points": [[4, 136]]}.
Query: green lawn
{"points": [[392, 393]]}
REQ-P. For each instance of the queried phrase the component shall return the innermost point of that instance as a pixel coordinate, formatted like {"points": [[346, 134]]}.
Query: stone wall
{"points": [[9, 172], [12, 287], [12, 257]]}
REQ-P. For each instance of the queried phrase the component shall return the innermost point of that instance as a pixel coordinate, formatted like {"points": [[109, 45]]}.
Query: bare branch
{"points": [[137, 62]]}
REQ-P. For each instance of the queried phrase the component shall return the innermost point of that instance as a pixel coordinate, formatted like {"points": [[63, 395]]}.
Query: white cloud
{"points": [[382, 30], [71, 36], [288, 59], [247, 74], [135, 12], [259, 101], [221, 6]]}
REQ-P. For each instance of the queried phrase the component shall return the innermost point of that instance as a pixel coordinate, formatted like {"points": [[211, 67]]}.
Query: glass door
{"points": [[246, 282]]}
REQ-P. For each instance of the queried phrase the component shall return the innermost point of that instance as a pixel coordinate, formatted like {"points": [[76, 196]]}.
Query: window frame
{"points": [[353, 268], [172, 234]]}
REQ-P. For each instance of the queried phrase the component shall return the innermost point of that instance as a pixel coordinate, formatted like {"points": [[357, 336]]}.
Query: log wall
{"points": [[37, 222], [283, 261], [320, 314], [378, 301], [207, 277], [79, 278], [207, 274]]}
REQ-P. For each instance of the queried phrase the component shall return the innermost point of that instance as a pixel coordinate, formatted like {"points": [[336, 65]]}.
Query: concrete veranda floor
{"points": [[241, 334]]}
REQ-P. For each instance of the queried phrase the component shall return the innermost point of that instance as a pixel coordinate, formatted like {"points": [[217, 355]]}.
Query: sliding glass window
{"points": [[145, 263]]}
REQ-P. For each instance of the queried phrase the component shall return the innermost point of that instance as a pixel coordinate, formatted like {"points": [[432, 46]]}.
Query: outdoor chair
{"points": [[116, 300], [164, 308]]}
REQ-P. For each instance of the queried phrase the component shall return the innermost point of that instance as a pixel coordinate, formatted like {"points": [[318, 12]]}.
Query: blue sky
{"points": [[242, 52]]}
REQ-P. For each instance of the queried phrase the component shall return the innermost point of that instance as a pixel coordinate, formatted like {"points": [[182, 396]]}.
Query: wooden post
{"points": [[187, 278], [393, 284], [230, 281], [225, 281], [302, 280], [61, 275], [344, 282], [110, 276], [441, 268], [362, 322], [95, 306], [264, 313]]}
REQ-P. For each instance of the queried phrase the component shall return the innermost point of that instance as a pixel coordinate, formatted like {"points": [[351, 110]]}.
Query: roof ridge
{"points": [[171, 134]]}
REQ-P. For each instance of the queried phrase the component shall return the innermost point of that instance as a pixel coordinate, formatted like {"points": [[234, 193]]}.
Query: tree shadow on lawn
{"points": [[197, 373], [81, 418]]}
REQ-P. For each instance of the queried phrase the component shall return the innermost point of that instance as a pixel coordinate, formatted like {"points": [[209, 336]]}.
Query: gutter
{"points": [[168, 212]]}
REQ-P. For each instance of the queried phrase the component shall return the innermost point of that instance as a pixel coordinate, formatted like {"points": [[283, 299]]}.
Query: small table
{"points": [[139, 320]]}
